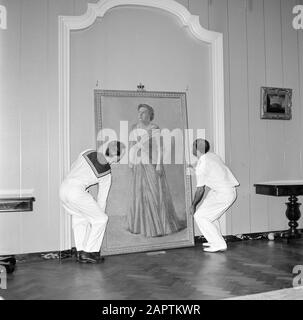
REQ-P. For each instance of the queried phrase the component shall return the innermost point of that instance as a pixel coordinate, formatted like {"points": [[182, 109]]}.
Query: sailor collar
{"points": [[98, 163]]}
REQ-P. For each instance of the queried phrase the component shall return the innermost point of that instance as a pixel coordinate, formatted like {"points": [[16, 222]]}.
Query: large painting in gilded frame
{"points": [[148, 203]]}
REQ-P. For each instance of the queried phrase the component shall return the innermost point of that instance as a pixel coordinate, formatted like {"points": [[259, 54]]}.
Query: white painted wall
{"points": [[129, 46], [261, 48]]}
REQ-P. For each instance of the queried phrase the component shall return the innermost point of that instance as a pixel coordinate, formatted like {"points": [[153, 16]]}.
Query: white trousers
{"points": [[211, 209], [88, 219]]}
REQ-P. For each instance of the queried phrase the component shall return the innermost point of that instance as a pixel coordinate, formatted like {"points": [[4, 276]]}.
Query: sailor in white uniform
{"points": [[213, 173], [88, 216]]}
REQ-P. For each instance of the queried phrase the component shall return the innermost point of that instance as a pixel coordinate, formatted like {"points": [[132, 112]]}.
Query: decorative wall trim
{"points": [[17, 204], [68, 23], [47, 255], [266, 235]]}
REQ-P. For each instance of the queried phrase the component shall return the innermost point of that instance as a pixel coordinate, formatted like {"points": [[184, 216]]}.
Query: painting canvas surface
{"points": [[140, 200]]}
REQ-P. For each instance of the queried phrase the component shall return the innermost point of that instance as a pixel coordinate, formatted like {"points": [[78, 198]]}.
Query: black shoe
{"points": [[90, 257], [78, 253], [98, 257]]}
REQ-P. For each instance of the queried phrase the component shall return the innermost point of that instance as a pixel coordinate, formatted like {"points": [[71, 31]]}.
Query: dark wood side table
{"points": [[291, 189]]}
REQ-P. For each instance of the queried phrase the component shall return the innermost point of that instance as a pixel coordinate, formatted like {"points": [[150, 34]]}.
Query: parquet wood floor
{"points": [[247, 267]]}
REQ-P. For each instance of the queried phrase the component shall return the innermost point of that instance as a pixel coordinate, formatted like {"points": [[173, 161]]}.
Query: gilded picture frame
{"points": [[276, 103], [127, 231]]}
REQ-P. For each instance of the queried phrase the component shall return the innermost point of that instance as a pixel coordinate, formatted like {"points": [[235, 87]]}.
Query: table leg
{"points": [[9, 262], [293, 214]]}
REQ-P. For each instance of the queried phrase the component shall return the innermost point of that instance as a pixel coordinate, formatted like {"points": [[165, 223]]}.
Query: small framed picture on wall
{"points": [[276, 103]]}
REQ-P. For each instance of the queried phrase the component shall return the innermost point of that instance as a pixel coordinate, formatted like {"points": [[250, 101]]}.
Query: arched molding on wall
{"points": [[69, 23]]}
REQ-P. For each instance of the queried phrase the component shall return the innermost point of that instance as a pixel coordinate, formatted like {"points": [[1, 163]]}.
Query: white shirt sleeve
{"points": [[104, 186], [201, 174]]}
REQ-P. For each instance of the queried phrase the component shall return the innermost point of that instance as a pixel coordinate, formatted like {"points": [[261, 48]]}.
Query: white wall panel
{"points": [[257, 128], [10, 151], [239, 112]]}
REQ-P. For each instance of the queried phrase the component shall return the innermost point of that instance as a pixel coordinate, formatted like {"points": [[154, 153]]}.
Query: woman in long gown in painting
{"points": [[152, 212]]}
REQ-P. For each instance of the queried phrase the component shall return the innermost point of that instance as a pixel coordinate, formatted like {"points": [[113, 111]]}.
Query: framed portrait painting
{"points": [[150, 196], [276, 103]]}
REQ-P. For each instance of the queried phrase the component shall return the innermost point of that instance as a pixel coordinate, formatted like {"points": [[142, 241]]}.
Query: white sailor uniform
{"points": [[213, 173], [88, 216]]}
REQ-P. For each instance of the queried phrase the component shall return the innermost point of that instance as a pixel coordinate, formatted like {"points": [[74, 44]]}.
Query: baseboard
{"points": [[38, 256], [278, 234], [49, 255]]}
